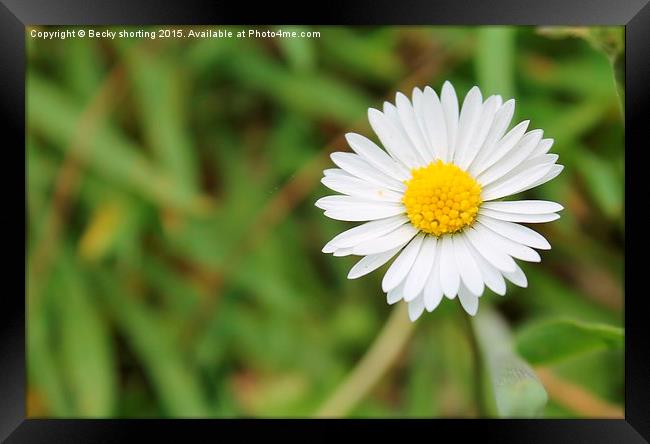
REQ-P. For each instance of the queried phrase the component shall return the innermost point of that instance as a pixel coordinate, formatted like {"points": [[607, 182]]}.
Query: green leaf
{"points": [[299, 52], [568, 76], [514, 386], [568, 124], [370, 57], [554, 340], [87, 350], [40, 175], [44, 374], [604, 183], [610, 40], [618, 65], [108, 152], [160, 90], [175, 382], [549, 296], [315, 95], [82, 67]]}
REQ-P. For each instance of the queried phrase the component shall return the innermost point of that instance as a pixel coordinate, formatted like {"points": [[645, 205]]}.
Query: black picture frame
{"points": [[15, 15]]}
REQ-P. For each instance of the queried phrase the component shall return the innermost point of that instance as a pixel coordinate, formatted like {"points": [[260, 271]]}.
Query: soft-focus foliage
{"points": [[174, 264]]}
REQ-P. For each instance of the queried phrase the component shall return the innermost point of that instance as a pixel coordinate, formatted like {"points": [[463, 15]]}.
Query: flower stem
{"points": [[374, 364], [510, 387], [477, 362]]}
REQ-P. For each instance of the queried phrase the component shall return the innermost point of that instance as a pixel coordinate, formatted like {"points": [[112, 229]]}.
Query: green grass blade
{"points": [[159, 94], [314, 94], [44, 375], [83, 68], [299, 52], [368, 57], [87, 349], [554, 340], [108, 152], [174, 381]]}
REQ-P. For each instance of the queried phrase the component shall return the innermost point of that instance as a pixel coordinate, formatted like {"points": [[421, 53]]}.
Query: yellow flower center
{"points": [[441, 198]]}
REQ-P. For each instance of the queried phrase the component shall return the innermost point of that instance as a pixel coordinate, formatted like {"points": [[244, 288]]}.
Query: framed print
{"points": [[379, 217]]}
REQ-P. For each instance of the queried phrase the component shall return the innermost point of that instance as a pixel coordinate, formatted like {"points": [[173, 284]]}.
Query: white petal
{"points": [[449, 103], [528, 164], [364, 212], [493, 279], [449, 277], [507, 143], [340, 252], [395, 295], [390, 111], [336, 172], [511, 159], [467, 123], [542, 147], [396, 238], [488, 112], [487, 249], [552, 174], [518, 277], [469, 271], [517, 217], [491, 276], [411, 126], [342, 202], [416, 307], [364, 232], [518, 183], [468, 300], [517, 233], [501, 122], [353, 186], [435, 123], [361, 214], [370, 263], [402, 265], [524, 206], [421, 269], [355, 165], [376, 157], [432, 289], [392, 138], [420, 115], [509, 246], [525, 168]]}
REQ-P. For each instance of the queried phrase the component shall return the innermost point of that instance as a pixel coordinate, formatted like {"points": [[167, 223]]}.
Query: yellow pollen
{"points": [[441, 198]]}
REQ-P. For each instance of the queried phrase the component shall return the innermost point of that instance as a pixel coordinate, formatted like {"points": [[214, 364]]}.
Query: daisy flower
{"points": [[432, 198]]}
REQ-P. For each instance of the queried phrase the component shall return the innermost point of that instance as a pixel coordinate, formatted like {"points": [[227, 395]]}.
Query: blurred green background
{"points": [[173, 248]]}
